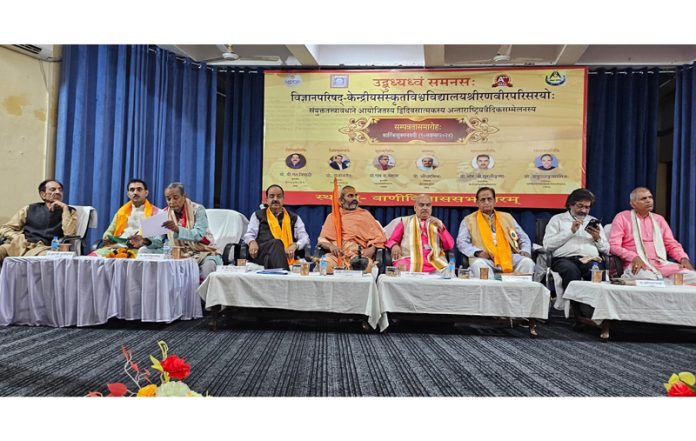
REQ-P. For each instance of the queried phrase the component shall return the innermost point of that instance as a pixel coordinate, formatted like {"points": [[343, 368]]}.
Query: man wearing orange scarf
{"points": [[359, 229], [125, 226], [274, 233], [493, 239]]}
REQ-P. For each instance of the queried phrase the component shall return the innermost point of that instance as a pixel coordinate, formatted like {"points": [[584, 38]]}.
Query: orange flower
{"points": [[147, 391]]}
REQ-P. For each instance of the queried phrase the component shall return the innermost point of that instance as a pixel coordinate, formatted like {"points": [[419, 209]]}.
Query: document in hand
{"points": [[152, 226]]}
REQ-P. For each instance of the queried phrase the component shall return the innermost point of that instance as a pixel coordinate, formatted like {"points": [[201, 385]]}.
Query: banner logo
{"points": [[555, 78], [502, 81]]}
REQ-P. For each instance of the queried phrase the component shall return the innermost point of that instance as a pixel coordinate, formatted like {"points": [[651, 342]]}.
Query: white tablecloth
{"points": [[88, 291], [674, 305], [434, 295], [346, 295]]}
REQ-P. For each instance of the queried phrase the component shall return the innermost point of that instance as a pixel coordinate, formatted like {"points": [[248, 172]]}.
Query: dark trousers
{"points": [[570, 268], [272, 255]]}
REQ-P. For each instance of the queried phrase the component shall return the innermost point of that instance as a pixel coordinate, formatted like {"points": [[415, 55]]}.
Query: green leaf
{"points": [[688, 378], [156, 365]]}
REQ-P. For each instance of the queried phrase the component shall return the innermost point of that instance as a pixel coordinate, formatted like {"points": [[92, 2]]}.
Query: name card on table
{"points": [[417, 274], [516, 278], [348, 273], [60, 254], [231, 269], [650, 283], [150, 256]]}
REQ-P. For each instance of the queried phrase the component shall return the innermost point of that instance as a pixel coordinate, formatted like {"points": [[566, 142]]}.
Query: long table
{"points": [[672, 305], [344, 295], [469, 297], [86, 291]]}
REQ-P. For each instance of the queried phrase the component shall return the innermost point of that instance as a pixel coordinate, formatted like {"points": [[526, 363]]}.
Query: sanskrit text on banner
{"points": [[443, 132]]}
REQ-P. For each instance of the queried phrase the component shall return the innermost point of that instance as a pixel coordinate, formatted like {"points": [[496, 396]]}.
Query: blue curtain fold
{"points": [[242, 140], [133, 111], [683, 200], [622, 121]]}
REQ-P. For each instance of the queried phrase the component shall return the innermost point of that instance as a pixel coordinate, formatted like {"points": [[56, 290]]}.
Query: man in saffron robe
{"points": [[274, 233], [359, 229], [643, 240], [493, 239], [30, 231], [420, 241], [124, 229]]}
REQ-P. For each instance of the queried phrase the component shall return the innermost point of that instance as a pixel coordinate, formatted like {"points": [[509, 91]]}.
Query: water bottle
{"points": [[450, 269], [55, 243], [596, 273], [323, 265], [167, 250]]}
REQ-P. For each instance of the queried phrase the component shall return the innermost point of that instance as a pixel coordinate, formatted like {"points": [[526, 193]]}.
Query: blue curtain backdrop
{"points": [[127, 111], [622, 118], [133, 111], [683, 203], [621, 148]]}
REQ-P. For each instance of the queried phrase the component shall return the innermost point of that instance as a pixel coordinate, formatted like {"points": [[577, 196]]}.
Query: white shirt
{"points": [[562, 242]]}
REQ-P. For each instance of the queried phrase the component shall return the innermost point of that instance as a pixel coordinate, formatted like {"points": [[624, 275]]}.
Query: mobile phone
{"points": [[594, 223]]}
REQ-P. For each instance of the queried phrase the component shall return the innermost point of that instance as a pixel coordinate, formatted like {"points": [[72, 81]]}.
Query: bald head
{"points": [[423, 206], [349, 198], [642, 201]]}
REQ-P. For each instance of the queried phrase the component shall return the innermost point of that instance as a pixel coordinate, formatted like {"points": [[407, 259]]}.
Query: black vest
{"points": [[265, 231], [42, 224]]}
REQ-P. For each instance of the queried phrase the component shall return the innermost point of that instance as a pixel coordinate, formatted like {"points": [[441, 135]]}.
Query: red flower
{"points": [[117, 389], [681, 389], [176, 367]]}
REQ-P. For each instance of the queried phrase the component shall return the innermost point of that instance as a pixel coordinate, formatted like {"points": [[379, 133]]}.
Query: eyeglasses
{"points": [[581, 206]]}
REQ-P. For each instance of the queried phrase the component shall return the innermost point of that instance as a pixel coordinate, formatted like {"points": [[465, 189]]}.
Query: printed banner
{"points": [[393, 134]]}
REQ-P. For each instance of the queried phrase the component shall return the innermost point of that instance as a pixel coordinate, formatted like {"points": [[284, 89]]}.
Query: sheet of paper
{"points": [[152, 226]]}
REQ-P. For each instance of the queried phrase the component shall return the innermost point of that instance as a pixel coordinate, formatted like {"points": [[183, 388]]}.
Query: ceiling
{"points": [[435, 56]]}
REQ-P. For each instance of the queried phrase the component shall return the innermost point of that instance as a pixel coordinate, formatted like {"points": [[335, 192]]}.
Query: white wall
{"points": [[28, 98]]}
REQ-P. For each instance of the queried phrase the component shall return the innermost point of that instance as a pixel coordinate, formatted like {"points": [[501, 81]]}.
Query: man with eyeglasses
{"points": [[576, 239]]}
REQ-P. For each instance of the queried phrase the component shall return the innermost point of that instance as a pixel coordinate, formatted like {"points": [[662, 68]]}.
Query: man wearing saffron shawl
{"points": [[188, 223], [275, 233], [124, 229], [420, 241], [359, 229], [643, 240], [493, 239], [30, 231]]}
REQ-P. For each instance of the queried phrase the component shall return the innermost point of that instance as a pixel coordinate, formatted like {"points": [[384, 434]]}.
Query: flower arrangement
{"points": [[681, 385], [171, 368], [121, 253]]}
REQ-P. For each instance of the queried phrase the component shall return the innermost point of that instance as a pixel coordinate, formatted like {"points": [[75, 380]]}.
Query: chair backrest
{"points": [[86, 218], [607, 229], [227, 226], [389, 229], [540, 227]]}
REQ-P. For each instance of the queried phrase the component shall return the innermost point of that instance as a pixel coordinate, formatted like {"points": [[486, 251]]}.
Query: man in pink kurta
{"points": [[622, 242], [421, 259]]}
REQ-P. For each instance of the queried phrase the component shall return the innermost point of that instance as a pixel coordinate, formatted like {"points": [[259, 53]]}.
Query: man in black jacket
{"points": [[30, 231], [274, 233]]}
